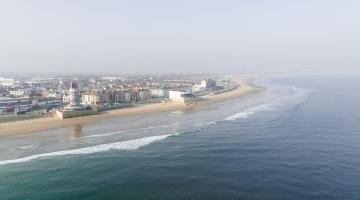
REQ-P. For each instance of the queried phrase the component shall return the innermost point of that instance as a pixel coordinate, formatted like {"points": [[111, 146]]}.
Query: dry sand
{"points": [[35, 125]]}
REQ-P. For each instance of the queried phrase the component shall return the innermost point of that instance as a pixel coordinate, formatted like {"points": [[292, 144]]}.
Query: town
{"points": [[67, 97]]}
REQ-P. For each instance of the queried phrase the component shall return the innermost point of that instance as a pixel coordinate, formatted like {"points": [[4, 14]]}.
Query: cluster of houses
{"points": [[19, 97], [119, 96]]}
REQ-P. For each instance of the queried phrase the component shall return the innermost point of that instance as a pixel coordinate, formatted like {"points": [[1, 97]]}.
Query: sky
{"points": [[253, 36]]}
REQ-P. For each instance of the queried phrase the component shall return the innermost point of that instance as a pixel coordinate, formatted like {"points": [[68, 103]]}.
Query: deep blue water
{"points": [[300, 139]]}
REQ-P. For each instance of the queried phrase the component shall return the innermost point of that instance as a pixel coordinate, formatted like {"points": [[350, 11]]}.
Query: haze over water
{"points": [[299, 139]]}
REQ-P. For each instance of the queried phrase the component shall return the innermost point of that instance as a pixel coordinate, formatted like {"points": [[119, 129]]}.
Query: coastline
{"points": [[43, 124]]}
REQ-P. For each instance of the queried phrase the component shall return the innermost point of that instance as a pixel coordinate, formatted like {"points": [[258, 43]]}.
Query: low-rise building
{"points": [[17, 93], [14, 105], [46, 104]]}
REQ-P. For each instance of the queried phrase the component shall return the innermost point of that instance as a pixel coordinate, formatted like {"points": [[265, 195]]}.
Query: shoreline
{"points": [[43, 124]]}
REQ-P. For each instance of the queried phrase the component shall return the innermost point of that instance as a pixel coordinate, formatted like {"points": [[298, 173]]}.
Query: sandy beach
{"points": [[35, 125]]}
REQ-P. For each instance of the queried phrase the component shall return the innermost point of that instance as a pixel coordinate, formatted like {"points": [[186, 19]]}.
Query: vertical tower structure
{"points": [[74, 95]]}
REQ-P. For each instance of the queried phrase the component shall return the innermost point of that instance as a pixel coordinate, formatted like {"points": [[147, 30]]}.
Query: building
{"points": [[3, 92], [53, 94], [208, 83], [116, 97], [134, 96], [65, 99], [6, 81], [127, 97], [47, 104], [159, 93], [95, 98], [144, 94], [37, 90], [74, 95], [14, 105], [90, 98], [17, 92], [198, 88], [180, 96], [224, 81]]}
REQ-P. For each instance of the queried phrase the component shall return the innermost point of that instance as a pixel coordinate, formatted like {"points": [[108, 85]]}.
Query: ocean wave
{"points": [[206, 124], [122, 131], [124, 145], [250, 111], [296, 96], [26, 147]]}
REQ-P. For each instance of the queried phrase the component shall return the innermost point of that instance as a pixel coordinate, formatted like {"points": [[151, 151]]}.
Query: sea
{"points": [[298, 139]]}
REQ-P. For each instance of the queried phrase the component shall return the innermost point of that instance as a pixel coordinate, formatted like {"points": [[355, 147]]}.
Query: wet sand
{"points": [[36, 125]]}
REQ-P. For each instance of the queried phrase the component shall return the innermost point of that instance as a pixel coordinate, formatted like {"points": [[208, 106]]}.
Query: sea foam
{"points": [[124, 145]]}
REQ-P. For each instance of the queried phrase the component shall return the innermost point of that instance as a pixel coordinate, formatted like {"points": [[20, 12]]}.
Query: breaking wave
{"points": [[124, 145], [206, 124], [250, 111], [298, 95], [122, 131]]}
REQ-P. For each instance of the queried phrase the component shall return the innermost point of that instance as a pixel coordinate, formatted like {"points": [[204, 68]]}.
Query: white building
{"points": [[54, 95], [197, 88], [90, 98], [17, 93], [6, 81], [179, 96], [224, 81], [203, 84], [66, 98], [208, 83]]}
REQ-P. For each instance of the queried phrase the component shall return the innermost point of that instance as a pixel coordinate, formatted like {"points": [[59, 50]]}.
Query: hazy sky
{"points": [[171, 36]]}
